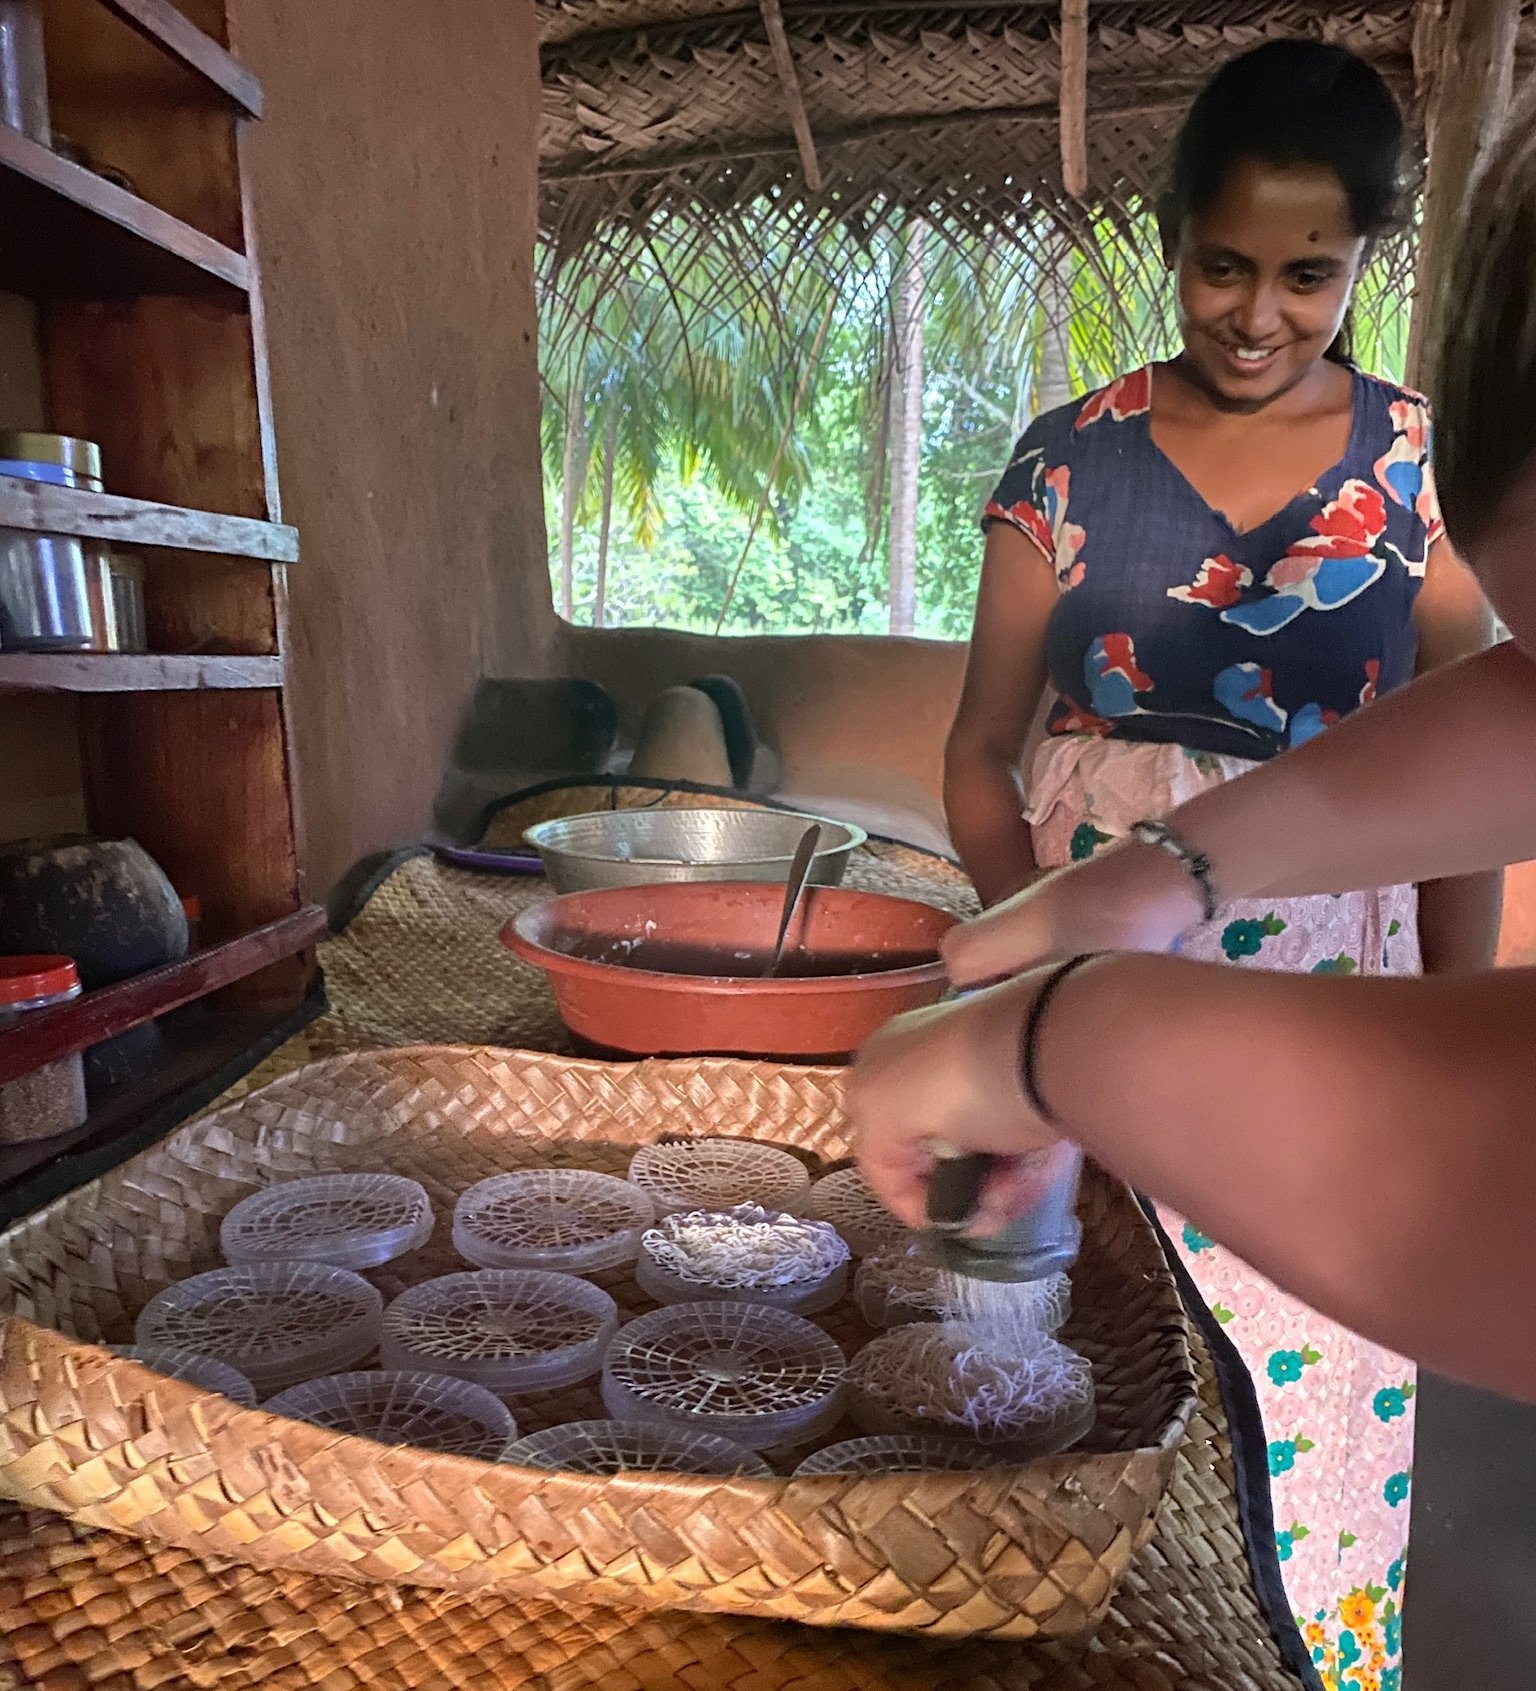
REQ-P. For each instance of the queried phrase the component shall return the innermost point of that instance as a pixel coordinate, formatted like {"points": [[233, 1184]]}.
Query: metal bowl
{"points": [[634, 848]]}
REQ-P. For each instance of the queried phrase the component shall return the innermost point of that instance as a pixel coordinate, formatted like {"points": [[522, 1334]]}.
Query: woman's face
{"points": [[1265, 276]]}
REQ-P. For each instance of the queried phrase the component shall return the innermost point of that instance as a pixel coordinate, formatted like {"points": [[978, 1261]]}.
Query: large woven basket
{"points": [[1023, 1552]]}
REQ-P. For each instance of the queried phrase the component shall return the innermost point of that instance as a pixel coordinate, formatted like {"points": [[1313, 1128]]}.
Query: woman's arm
{"points": [[1458, 917], [1004, 681], [1433, 781], [1366, 1143]]}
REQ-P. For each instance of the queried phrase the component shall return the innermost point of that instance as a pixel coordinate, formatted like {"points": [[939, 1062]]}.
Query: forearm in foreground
{"points": [[1436, 780], [1367, 1144]]}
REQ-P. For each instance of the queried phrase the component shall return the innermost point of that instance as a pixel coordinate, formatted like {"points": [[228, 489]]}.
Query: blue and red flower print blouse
{"points": [[1174, 626]]}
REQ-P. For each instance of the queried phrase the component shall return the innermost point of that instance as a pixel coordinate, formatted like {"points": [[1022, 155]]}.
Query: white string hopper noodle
{"points": [[944, 1377], [749, 1253], [901, 1283]]}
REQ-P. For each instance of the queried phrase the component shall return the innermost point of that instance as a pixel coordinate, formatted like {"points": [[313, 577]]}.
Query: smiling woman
{"points": [[1208, 562]]}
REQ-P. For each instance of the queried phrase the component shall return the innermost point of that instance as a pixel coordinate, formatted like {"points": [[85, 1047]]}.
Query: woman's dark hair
{"points": [[1291, 103], [1482, 346]]}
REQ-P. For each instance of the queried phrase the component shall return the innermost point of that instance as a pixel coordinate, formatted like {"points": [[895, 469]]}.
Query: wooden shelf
{"points": [[160, 22], [201, 1061], [65, 233], [50, 1034], [132, 672], [43, 508]]}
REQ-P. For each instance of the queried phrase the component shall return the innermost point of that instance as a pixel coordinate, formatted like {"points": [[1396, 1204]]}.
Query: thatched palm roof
{"points": [[949, 111]]}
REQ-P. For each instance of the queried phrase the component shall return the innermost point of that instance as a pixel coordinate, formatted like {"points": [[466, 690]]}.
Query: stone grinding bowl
{"points": [[631, 848], [676, 969]]}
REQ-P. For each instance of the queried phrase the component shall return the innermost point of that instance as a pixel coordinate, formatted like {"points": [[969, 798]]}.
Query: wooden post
{"points": [[784, 64], [1469, 74], [1074, 97]]}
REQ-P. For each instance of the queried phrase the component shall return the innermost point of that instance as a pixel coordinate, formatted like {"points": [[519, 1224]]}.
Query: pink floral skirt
{"points": [[1337, 1410]]}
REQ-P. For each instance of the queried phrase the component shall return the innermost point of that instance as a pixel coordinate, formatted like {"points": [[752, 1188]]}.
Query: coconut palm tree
{"points": [[674, 353]]}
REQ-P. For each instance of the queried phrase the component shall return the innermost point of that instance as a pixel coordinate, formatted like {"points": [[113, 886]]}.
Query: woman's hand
{"points": [[951, 1074], [1131, 897]]}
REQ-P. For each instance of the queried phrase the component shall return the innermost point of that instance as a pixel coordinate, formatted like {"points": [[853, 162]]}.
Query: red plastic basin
{"points": [[675, 970]]}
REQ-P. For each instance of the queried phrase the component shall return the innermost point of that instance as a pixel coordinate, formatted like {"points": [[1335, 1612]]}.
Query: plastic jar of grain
{"points": [[51, 1099]]}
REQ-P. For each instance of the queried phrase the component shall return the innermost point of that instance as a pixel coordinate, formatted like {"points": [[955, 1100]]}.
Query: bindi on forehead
{"points": [[1316, 235]]}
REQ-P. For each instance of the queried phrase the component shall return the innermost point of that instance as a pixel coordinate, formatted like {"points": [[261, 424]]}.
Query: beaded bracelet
{"points": [[1196, 863]]}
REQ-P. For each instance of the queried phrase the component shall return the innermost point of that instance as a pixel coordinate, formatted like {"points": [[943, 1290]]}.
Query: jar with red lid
{"points": [[51, 1099]]}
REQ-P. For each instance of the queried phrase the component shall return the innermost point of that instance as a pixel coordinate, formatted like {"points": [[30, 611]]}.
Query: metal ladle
{"points": [[794, 889]]}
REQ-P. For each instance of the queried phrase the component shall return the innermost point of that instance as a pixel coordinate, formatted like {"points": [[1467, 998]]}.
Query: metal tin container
{"points": [[128, 602], [55, 589], [632, 848], [24, 70], [62, 459]]}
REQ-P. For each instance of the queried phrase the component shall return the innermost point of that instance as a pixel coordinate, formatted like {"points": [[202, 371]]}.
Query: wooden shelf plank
{"points": [[160, 22], [50, 1034], [65, 233], [125, 672], [43, 508]]}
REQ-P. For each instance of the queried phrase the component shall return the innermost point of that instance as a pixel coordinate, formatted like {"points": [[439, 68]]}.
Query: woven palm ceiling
{"points": [[948, 111]]}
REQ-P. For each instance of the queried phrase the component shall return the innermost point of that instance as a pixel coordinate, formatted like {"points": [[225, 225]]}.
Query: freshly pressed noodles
{"points": [[1011, 1315], [946, 1377], [748, 1253], [901, 1283], [747, 1246]]}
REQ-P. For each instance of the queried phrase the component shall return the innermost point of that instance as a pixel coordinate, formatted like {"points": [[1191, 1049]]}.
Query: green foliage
{"points": [[693, 356]]}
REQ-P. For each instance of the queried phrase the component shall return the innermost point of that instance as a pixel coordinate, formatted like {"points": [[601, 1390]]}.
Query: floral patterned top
{"points": [[1174, 626]]}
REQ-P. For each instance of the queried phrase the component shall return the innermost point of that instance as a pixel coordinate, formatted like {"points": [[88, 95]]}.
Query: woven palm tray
{"points": [[1021, 1552], [1201, 1608]]}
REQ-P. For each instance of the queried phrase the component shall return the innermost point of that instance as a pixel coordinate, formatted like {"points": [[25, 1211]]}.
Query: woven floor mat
{"points": [[83, 1609]]}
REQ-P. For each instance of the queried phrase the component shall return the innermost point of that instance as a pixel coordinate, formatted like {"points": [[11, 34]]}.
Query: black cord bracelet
{"points": [[1029, 1041]]}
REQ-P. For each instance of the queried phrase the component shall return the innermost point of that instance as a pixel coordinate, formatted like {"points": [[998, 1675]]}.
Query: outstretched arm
{"points": [[1368, 1144]]}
